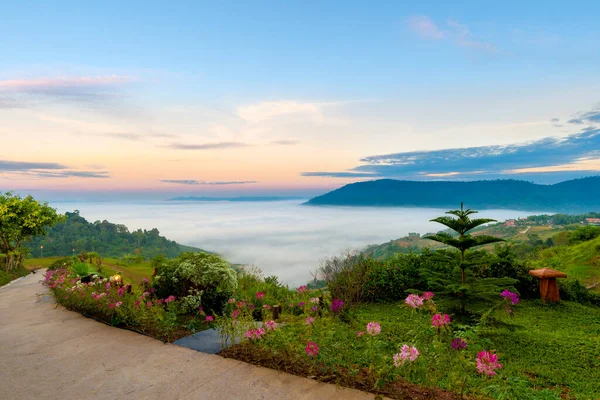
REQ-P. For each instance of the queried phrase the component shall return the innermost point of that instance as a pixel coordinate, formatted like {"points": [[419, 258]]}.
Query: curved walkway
{"points": [[47, 352]]}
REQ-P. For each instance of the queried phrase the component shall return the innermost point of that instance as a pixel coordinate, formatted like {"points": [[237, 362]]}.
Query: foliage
{"points": [[8, 276], [83, 269], [77, 235], [125, 306], [583, 234], [347, 275], [20, 220], [202, 278]]}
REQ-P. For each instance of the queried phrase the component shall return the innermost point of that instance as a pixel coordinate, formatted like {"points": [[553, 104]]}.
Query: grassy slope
{"points": [[581, 261], [133, 273], [553, 347]]}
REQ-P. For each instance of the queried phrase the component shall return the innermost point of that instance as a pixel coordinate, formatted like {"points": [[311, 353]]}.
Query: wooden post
{"points": [[276, 310]]}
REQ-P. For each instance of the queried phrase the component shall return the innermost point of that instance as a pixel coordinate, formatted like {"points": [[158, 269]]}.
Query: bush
{"points": [[62, 263], [82, 269], [196, 278], [389, 280], [573, 290], [346, 276]]}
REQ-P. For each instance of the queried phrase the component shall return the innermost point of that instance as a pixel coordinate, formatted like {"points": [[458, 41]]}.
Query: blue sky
{"points": [[295, 97]]}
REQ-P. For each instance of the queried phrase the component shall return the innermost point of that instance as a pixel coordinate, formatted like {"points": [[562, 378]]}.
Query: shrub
{"points": [[573, 290], [82, 269], [389, 280], [346, 276], [196, 278], [62, 263]]}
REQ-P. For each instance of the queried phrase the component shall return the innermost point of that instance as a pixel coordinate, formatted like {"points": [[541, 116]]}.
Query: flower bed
{"points": [[132, 307]]}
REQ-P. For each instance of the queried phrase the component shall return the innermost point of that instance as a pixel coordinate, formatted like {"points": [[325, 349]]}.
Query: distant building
{"points": [[592, 221], [510, 222]]}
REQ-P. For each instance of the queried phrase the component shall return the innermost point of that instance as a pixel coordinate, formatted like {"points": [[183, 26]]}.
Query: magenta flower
{"points": [[301, 304], [309, 320], [510, 296], [137, 303], [149, 304], [170, 299], [107, 286], [428, 295], [118, 304], [312, 349], [314, 308], [209, 318], [260, 295], [145, 281], [487, 363], [373, 328], [302, 289], [159, 301], [439, 320], [121, 291], [414, 301], [458, 344], [407, 353], [235, 314], [337, 305], [111, 305], [241, 304], [145, 294], [271, 325]]}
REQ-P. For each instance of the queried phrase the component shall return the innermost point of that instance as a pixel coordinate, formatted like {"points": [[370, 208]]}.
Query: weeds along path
{"points": [[58, 354]]}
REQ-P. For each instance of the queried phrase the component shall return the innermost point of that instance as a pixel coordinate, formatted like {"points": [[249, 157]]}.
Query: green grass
{"points": [[6, 277], [35, 263], [133, 273], [554, 347]]}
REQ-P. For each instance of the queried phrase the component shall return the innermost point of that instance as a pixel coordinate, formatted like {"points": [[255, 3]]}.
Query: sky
{"points": [[155, 99]]}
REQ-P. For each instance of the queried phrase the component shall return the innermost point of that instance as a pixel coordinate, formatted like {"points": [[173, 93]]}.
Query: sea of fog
{"points": [[283, 238]]}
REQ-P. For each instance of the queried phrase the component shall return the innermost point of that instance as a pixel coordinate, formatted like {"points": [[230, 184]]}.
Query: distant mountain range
{"points": [[241, 199], [578, 195]]}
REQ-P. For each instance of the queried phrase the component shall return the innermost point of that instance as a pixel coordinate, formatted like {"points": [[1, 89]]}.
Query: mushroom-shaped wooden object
{"points": [[548, 286]]}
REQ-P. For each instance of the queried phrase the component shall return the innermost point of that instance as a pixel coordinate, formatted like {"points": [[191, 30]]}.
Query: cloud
{"points": [[267, 110], [18, 169], [89, 89], [589, 117], [424, 27], [285, 142], [453, 31], [207, 146], [195, 182], [136, 136], [343, 174], [484, 161], [10, 166]]}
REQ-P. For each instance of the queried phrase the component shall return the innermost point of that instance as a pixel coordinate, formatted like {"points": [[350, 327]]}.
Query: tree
{"points": [[462, 225], [20, 220]]}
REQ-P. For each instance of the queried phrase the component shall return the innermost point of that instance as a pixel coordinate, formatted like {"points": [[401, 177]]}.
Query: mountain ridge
{"points": [[575, 195]]}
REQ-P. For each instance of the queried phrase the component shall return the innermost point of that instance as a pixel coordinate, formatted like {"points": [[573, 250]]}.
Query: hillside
{"points": [[109, 239], [579, 195]]}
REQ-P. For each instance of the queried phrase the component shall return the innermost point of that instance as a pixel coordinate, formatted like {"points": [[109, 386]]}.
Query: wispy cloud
{"points": [[194, 182], [452, 31], [87, 89], [136, 136], [207, 146], [574, 150], [20, 169], [285, 142], [588, 117]]}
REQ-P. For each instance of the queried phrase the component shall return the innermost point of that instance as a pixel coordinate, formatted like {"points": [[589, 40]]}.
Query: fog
{"points": [[283, 238]]}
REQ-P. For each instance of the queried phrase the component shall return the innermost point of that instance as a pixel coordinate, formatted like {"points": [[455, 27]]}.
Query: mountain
{"points": [[235, 199], [108, 239], [570, 196]]}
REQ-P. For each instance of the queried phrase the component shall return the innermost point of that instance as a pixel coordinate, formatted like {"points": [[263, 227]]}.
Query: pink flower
{"points": [[145, 281], [302, 289], [314, 300], [428, 295], [209, 318], [309, 320], [235, 314], [260, 295], [170, 299], [111, 305], [121, 291], [231, 301], [487, 363], [373, 328], [458, 344], [314, 308], [251, 306], [118, 304], [149, 304], [271, 325], [359, 334], [107, 286], [414, 301], [267, 307], [301, 304], [407, 353], [254, 334], [145, 294], [312, 349], [137, 303], [439, 320], [241, 304]]}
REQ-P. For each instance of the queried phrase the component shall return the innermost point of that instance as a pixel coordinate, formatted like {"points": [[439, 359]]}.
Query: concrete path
{"points": [[47, 352]]}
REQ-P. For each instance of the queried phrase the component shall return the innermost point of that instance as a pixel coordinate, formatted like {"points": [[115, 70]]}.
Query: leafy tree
{"points": [[462, 224], [20, 220]]}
